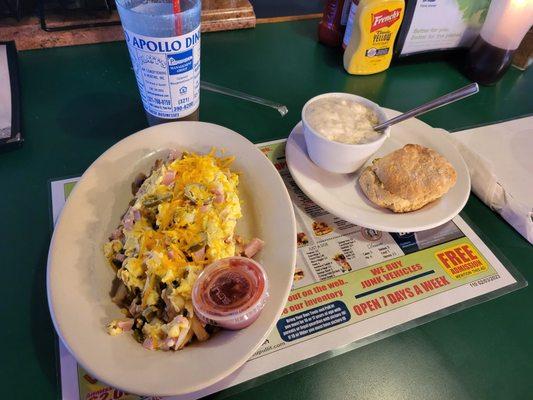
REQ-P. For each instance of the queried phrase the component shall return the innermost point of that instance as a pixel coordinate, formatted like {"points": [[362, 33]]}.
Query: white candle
{"points": [[507, 23]]}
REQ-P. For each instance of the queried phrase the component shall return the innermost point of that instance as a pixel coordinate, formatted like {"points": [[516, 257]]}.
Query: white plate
{"points": [[79, 278], [341, 195]]}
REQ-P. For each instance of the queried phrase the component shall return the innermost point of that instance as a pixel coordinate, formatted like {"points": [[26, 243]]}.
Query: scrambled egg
{"points": [[181, 219]]}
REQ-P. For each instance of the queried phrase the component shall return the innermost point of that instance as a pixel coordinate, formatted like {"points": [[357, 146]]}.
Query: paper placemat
{"points": [[352, 286]]}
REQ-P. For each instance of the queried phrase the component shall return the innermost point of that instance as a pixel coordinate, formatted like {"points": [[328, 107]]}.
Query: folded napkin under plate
{"points": [[501, 168]]}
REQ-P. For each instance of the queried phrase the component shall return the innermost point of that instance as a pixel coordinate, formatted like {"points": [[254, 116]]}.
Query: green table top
{"points": [[78, 101]]}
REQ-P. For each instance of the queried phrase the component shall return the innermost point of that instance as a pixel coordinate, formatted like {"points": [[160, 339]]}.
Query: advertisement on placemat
{"points": [[350, 284]]}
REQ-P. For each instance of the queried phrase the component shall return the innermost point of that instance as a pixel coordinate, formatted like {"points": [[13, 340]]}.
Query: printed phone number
{"points": [[183, 107], [483, 281], [161, 102]]}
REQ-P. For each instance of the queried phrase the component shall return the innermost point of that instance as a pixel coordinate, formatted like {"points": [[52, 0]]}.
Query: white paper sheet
{"points": [[501, 166]]}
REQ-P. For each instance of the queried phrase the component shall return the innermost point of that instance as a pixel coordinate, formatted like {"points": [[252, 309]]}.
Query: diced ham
{"points": [[204, 208], [173, 155], [199, 255], [168, 343], [183, 331], [128, 219], [128, 224], [171, 254], [180, 319], [252, 248], [136, 215], [125, 324], [219, 198], [168, 178], [148, 343], [186, 339], [117, 234], [219, 195]]}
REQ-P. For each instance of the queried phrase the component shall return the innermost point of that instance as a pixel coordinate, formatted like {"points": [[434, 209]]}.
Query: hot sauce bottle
{"points": [[331, 27], [376, 24]]}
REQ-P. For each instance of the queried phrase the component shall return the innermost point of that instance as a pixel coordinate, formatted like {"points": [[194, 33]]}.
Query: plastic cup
{"points": [[164, 48]]}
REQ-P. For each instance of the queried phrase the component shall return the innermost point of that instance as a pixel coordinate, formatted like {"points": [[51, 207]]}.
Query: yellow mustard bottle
{"points": [[376, 24]]}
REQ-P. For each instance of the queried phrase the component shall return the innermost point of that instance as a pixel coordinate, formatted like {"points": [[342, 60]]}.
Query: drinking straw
{"points": [[176, 7], [282, 109]]}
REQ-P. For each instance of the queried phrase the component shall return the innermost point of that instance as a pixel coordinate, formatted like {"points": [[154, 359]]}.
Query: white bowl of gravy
{"points": [[338, 131]]}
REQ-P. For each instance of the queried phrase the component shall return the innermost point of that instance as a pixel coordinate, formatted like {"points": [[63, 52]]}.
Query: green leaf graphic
{"points": [[474, 11]]}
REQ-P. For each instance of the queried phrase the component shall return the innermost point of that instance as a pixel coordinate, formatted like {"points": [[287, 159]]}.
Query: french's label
{"points": [[384, 19]]}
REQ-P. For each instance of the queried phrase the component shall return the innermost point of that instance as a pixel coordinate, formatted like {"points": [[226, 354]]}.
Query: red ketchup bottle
{"points": [[230, 293], [331, 28]]}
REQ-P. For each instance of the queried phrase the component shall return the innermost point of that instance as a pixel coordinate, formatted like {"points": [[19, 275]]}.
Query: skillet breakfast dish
{"points": [[181, 219]]}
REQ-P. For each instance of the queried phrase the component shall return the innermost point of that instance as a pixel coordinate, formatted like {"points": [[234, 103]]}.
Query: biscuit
{"points": [[407, 179]]}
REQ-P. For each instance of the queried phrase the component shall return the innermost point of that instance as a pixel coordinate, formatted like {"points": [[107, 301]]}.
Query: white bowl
{"points": [[341, 195], [342, 158]]}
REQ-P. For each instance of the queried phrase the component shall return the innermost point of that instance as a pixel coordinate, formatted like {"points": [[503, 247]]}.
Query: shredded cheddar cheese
{"points": [[183, 218]]}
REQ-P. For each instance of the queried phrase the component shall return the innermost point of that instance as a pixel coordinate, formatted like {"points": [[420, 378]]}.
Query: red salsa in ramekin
{"points": [[230, 293]]}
